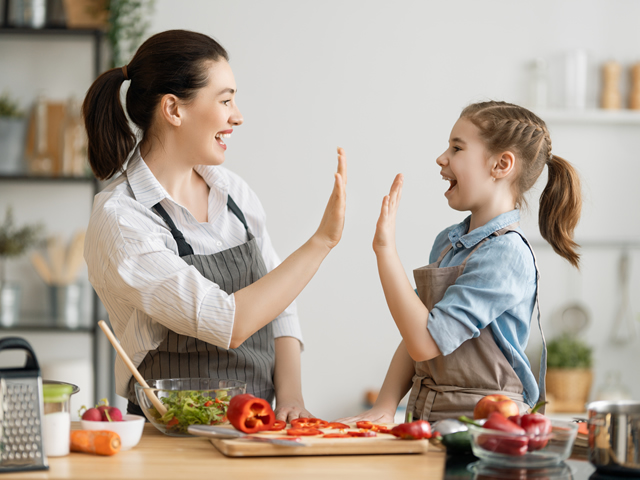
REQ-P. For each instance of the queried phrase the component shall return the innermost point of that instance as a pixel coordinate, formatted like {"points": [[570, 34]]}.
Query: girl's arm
{"points": [[286, 379], [395, 386], [408, 311], [262, 301]]}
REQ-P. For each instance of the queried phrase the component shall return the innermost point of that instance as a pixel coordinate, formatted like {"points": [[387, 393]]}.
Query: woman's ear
{"points": [[503, 165], [170, 109]]}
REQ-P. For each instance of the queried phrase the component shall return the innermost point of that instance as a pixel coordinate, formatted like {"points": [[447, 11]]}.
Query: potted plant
{"points": [[569, 374], [13, 243], [13, 131]]}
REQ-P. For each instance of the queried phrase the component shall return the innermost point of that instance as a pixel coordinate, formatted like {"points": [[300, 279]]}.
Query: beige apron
{"points": [[450, 386]]}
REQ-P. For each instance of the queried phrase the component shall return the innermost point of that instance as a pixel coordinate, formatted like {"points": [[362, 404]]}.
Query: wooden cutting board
{"points": [[383, 443]]}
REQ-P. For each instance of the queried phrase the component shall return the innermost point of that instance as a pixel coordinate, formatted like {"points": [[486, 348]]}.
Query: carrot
{"points": [[100, 442]]}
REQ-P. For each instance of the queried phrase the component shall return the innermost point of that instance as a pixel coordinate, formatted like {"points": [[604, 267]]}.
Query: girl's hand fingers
{"points": [[342, 164]]}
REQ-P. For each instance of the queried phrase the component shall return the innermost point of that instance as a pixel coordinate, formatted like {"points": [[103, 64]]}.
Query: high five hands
{"points": [[332, 223], [385, 236]]}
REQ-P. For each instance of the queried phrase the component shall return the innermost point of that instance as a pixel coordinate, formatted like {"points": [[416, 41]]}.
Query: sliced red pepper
{"points": [[309, 423], [208, 403], [250, 414], [303, 432], [362, 433], [365, 424], [336, 435], [278, 425], [173, 421], [381, 429], [341, 426], [412, 431]]}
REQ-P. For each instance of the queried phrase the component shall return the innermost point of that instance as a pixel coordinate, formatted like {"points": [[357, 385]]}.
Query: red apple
{"points": [[495, 403]]}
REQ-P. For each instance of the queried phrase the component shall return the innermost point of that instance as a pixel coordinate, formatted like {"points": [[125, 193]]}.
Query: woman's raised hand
{"points": [[385, 236], [332, 223]]}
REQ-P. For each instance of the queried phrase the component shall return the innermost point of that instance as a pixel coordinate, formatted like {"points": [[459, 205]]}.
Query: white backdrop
{"points": [[386, 81]]}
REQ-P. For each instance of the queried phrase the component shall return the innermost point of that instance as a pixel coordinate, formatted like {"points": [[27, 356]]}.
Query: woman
{"points": [[177, 247]]}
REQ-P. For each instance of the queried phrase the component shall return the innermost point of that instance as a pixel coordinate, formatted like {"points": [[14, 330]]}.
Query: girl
{"points": [[177, 247], [465, 333]]}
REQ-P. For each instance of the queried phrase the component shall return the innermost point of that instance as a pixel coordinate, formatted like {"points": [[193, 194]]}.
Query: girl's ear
{"points": [[503, 165], [170, 109]]}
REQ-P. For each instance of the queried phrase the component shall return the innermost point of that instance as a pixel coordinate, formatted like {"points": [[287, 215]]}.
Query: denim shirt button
{"points": [[459, 244]]}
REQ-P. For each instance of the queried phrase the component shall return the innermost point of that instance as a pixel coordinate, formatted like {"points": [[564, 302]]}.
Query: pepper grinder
{"points": [[634, 96], [611, 98]]}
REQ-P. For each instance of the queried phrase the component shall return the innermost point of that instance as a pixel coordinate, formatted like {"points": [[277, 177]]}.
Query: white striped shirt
{"points": [[145, 286]]}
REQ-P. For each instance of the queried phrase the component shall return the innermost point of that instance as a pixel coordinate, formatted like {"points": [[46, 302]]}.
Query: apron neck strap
{"points": [[183, 247]]}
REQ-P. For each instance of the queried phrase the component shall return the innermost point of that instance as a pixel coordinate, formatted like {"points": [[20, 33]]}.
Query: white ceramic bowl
{"points": [[130, 429]]}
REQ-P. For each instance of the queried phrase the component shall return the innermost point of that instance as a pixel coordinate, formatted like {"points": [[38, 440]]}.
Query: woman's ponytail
{"points": [[560, 207], [110, 138]]}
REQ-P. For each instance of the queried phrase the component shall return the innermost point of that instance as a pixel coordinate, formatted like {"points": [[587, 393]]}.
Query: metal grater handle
{"points": [[17, 343]]}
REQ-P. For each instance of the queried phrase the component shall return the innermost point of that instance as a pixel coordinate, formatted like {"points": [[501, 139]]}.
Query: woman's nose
{"points": [[236, 117]]}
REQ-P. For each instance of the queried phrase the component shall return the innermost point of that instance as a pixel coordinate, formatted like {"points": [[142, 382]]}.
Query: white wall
{"points": [[386, 81]]}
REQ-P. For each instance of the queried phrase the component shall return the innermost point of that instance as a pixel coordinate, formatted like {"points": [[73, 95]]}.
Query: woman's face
{"points": [[210, 117], [466, 166]]}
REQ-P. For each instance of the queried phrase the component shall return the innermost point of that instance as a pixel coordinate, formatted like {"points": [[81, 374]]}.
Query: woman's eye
{"points": [[226, 102]]}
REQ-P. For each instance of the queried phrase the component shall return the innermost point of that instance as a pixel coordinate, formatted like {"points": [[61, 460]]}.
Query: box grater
{"points": [[21, 412]]}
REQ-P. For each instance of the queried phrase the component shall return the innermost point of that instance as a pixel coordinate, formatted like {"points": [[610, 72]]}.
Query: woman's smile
{"points": [[221, 135]]}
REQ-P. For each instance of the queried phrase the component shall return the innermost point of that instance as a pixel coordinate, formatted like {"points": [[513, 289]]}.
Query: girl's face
{"points": [[210, 117], [466, 165]]}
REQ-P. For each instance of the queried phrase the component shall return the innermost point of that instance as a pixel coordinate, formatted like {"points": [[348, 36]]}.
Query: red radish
{"points": [[115, 414], [92, 414]]}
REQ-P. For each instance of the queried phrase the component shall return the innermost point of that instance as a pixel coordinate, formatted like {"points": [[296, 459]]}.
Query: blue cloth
{"points": [[497, 290]]}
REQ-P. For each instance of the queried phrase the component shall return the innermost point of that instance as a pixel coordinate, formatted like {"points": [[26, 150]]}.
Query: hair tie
{"points": [[550, 158], [124, 72]]}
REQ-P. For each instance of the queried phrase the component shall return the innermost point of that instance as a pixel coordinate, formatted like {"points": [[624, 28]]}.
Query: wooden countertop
{"points": [[159, 456]]}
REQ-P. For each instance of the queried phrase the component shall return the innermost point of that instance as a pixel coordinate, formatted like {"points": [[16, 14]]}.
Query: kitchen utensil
{"points": [[614, 436], [21, 412], [55, 250], [226, 433], [41, 266], [74, 258], [624, 329], [557, 449], [185, 397], [129, 429], [132, 368], [574, 318]]}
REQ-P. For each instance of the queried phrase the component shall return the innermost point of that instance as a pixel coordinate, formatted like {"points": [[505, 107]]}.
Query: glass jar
{"points": [[56, 425]]}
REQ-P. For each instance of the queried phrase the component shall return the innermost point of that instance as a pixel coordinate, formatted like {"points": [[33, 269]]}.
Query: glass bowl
{"points": [[504, 449], [189, 401]]}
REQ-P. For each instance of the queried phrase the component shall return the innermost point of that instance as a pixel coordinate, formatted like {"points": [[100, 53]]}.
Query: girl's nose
{"points": [[442, 159]]}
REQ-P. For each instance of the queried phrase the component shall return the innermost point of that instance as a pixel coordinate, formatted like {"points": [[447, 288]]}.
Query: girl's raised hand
{"points": [[330, 230], [385, 236]]}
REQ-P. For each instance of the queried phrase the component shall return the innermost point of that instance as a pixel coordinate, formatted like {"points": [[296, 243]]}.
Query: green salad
{"points": [[191, 407]]}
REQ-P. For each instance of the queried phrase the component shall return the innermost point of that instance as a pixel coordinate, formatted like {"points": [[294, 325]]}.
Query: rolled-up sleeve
{"points": [[491, 284]]}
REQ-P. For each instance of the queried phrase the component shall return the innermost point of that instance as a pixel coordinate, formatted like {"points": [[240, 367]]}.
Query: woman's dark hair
{"points": [[171, 62], [504, 126]]}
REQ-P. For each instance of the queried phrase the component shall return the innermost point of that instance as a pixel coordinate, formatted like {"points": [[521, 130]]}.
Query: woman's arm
{"points": [[286, 379], [262, 301], [395, 386], [408, 311]]}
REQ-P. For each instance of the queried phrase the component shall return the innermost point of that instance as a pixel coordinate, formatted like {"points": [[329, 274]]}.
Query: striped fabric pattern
{"points": [[145, 286]]}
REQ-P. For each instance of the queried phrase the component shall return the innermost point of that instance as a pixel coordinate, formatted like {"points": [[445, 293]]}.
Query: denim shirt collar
{"points": [[460, 238]]}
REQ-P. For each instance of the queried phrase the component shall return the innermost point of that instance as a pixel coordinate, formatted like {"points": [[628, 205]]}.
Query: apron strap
{"points": [[183, 247], [236, 211]]}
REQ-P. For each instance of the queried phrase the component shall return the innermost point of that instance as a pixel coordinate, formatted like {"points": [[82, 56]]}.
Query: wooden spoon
{"points": [[125, 358]]}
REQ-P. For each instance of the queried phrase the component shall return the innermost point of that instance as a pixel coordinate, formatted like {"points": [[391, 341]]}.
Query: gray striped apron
{"points": [[183, 356], [449, 386]]}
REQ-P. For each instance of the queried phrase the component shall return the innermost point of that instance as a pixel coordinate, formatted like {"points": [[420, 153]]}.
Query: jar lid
{"points": [[56, 392]]}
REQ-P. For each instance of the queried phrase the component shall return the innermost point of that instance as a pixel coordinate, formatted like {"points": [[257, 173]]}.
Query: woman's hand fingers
{"points": [[332, 223], [342, 164], [370, 415], [291, 412]]}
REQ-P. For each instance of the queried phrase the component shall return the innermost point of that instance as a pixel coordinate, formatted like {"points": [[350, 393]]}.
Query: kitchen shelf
{"points": [[592, 116], [46, 178]]}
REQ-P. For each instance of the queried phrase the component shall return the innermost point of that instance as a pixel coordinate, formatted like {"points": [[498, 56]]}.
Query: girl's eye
{"points": [[456, 149]]}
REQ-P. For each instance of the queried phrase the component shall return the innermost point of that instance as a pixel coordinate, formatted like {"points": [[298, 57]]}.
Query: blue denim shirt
{"points": [[497, 289]]}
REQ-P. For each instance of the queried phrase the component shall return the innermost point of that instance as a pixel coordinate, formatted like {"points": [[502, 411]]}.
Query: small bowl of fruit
{"points": [[105, 417]]}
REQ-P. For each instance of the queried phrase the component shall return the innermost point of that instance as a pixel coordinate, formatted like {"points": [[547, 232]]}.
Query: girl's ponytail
{"points": [[110, 139], [560, 207]]}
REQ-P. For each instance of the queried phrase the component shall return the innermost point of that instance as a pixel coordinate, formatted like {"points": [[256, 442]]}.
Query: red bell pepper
{"points": [[536, 425], [510, 445], [412, 431], [250, 414]]}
